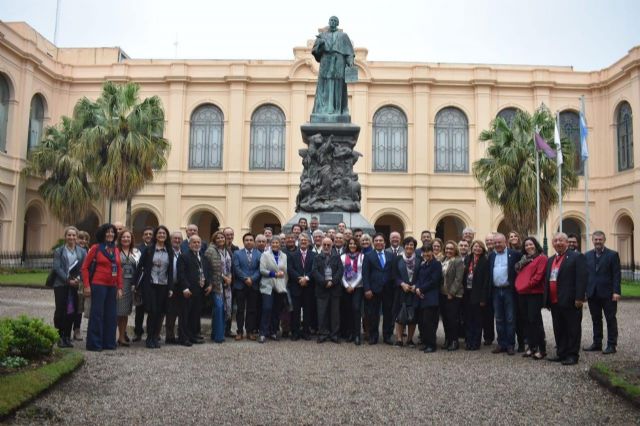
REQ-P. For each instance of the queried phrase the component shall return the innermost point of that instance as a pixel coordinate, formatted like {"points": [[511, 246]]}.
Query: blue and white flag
{"points": [[556, 139], [584, 132]]}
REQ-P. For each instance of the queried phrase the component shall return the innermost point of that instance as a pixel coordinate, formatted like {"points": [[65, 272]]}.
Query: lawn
{"points": [[37, 279]]}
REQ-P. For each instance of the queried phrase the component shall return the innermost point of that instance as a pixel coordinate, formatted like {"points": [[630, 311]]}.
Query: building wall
{"points": [[419, 198]]}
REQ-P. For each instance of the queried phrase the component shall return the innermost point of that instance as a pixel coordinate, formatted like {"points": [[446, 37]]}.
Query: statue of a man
{"points": [[333, 50]]}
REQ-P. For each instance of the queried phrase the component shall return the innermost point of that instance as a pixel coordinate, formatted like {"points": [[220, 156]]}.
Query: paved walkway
{"points": [[303, 382]]}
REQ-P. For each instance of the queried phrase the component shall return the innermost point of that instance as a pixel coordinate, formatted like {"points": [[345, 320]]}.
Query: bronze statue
{"points": [[334, 51]]}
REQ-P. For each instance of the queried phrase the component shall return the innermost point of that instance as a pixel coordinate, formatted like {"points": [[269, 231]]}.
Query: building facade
{"points": [[234, 128]]}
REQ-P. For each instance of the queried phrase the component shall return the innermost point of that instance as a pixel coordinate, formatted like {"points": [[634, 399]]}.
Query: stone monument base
{"points": [[332, 219]]}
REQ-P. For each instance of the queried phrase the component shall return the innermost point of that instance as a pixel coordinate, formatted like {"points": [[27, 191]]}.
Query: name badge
{"points": [[553, 276], [114, 270]]}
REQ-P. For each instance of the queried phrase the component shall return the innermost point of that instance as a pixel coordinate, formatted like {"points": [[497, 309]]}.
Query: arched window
{"points": [[508, 114], [36, 120], [4, 112], [205, 140], [389, 140], [452, 141], [570, 129], [624, 126], [267, 139]]}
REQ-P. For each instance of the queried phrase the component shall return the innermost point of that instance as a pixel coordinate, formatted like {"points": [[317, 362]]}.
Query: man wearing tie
{"points": [[379, 289], [565, 293], [501, 286], [603, 292], [327, 275], [395, 247], [301, 290], [338, 244], [191, 286], [246, 287]]}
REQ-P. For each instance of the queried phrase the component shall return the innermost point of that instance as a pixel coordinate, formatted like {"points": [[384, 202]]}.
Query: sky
{"points": [[585, 34]]}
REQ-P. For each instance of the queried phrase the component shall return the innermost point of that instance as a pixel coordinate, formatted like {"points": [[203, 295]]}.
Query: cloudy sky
{"points": [[587, 34]]}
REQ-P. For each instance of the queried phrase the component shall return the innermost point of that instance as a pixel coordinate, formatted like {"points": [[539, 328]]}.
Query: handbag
{"points": [[406, 315]]}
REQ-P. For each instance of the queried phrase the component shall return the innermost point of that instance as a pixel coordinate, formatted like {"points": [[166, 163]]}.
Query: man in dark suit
{"points": [[299, 271], [564, 293], [377, 278], [395, 247], [246, 287], [603, 292], [501, 290], [191, 289], [327, 276]]}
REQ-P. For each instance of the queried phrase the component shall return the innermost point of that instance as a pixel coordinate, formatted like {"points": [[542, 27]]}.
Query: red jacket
{"points": [[530, 279], [102, 274]]}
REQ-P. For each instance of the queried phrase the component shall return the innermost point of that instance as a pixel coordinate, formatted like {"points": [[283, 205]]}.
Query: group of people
{"points": [[336, 285]]}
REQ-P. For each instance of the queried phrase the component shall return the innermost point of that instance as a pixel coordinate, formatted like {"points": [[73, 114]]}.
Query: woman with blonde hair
{"points": [[438, 245], [218, 257], [451, 293], [129, 258]]}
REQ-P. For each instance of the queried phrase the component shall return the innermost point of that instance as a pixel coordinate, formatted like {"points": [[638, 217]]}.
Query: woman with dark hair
{"points": [[129, 258], [83, 242], [216, 255], [451, 294], [353, 292], [102, 279], [403, 270], [155, 275], [426, 279], [67, 261], [474, 280], [530, 287]]}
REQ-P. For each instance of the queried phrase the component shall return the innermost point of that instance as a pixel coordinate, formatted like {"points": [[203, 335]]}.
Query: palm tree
{"points": [[66, 188], [122, 140], [508, 172]]}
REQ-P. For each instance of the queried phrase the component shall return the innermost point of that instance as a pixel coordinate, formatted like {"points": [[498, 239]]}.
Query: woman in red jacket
{"points": [[530, 286], [102, 278]]}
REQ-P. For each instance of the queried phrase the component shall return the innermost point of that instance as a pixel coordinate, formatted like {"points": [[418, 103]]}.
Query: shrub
{"points": [[30, 338], [6, 336], [13, 362]]}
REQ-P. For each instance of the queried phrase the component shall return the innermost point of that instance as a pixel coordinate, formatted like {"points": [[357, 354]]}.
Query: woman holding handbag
{"points": [[67, 261], [404, 310], [102, 279], [273, 287]]}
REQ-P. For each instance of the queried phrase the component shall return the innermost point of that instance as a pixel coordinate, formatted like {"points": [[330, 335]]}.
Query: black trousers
{"points": [[174, 307], [156, 307], [450, 317], [567, 328], [531, 307], [383, 300], [189, 321], [61, 319], [247, 309], [520, 319], [597, 306], [328, 301], [139, 321], [310, 310], [488, 324], [429, 319], [351, 312], [472, 321]]}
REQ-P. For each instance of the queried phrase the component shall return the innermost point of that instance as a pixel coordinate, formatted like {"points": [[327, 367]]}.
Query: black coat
{"points": [[572, 279], [604, 274], [337, 270], [478, 292], [296, 269], [189, 271]]}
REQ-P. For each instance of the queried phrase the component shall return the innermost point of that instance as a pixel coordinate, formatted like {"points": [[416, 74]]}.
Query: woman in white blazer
{"points": [[273, 287]]}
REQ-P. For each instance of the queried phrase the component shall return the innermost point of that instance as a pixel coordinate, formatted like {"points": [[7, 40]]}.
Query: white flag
{"points": [[556, 139]]}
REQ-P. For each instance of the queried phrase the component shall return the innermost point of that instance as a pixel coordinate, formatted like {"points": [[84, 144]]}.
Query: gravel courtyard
{"points": [[305, 383]]}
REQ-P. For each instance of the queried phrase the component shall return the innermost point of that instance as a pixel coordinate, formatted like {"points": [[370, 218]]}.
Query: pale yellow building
{"points": [[234, 126]]}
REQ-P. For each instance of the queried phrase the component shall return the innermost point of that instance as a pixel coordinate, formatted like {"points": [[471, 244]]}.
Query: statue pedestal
{"points": [[329, 188]]}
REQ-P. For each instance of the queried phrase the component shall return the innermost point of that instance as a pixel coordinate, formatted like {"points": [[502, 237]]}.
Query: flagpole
{"points": [[55, 31], [559, 175], [586, 181], [537, 185]]}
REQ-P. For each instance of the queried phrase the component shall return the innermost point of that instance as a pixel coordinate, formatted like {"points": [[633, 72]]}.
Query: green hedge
{"points": [[26, 337], [19, 388]]}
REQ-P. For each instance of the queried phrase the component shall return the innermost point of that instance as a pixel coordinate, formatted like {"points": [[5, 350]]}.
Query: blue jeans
{"points": [[270, 319], [503, 305], [101, 333], [217, 319]]}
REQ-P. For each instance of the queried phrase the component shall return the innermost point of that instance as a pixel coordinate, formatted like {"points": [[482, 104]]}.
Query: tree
{"points": [[122, 140], [66, 188], [508, 172]]}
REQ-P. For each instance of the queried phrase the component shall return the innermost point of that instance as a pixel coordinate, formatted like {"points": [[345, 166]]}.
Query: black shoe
{"points": [[126, 337], [150, 344], [488, 342], [357, 341], [510, 351], [410, 344], [335, 340], [350, 339], [555, 359], [373, 341], [156, 344], [454, 346], [171, 341], [429, 350], [186, 343], [569, 361], [295, 337], [398, 344], [610, 349], [306, 336], [62, 343], [137, 338], [274, 337], [593, 348], [387, 341], [262, 339], [521, 348], [446, 345], [68, 341], [322, 339]]}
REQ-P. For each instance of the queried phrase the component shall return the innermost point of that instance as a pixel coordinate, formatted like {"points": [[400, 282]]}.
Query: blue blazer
{"points": [[242, 269], [513, 258], [427, 278], [604, 276], [374, 276]]}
